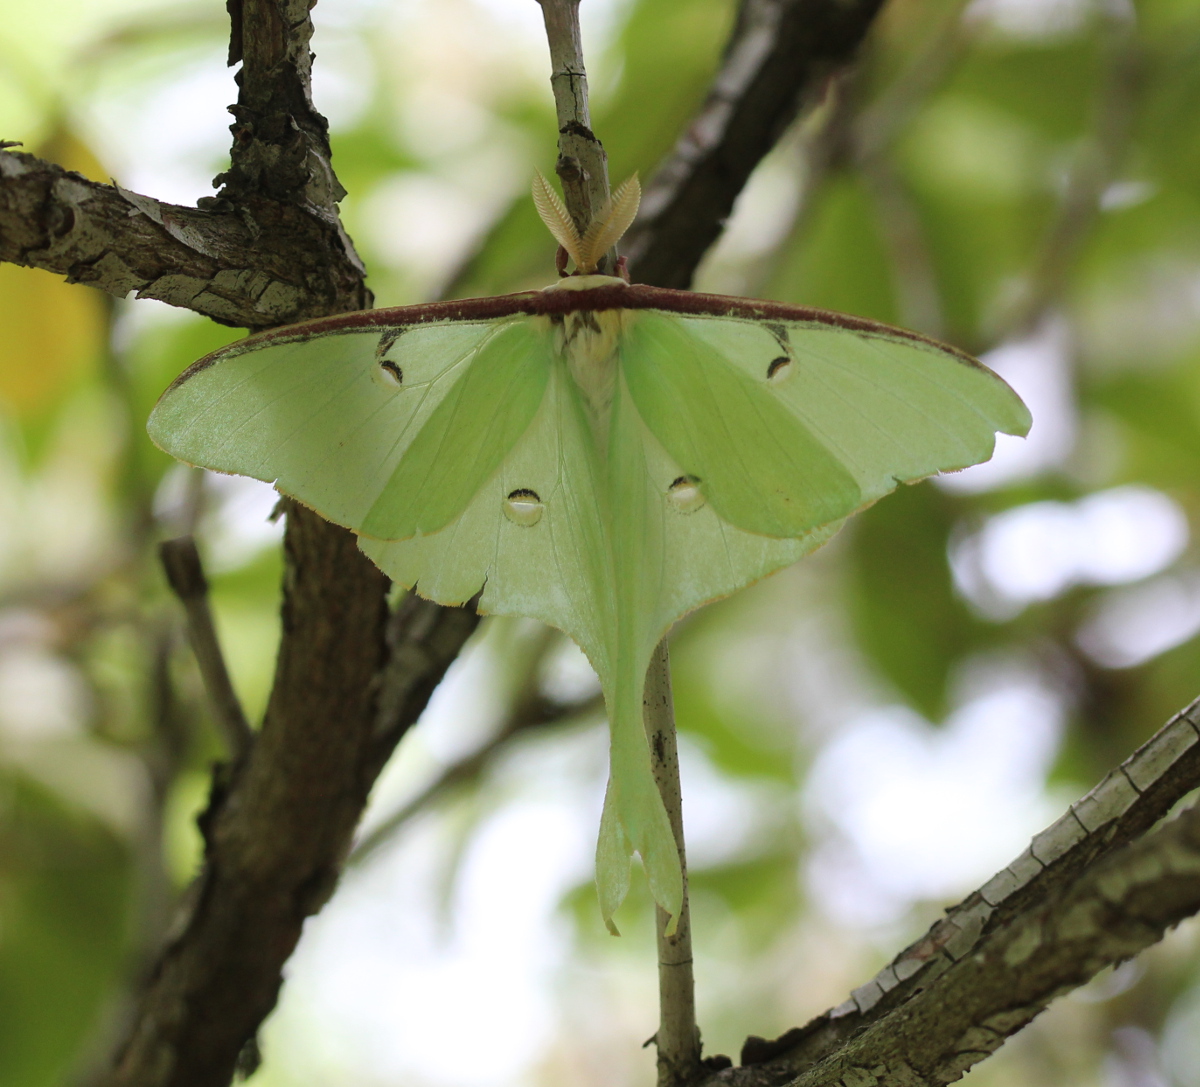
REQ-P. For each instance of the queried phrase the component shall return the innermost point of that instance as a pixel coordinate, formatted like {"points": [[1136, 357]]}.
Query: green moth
{"points": [[599, 455]]}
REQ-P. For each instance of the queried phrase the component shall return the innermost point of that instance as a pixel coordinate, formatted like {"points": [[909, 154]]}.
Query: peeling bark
{"points": [[216, 263], [1045, 882], [269, 249]]}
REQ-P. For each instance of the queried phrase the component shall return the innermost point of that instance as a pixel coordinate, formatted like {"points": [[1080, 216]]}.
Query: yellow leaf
{"points": [[53, 334], [53, 331], [67, 149]]}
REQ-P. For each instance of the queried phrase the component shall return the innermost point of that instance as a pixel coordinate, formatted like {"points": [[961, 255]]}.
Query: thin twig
{"points": [[530, 709], [528, 716], [582, 165], [185, 575], [678, 1037]]}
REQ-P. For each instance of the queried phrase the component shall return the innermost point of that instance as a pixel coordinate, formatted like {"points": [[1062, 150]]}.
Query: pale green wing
{"points": [[887, 408], [672, 552], [757, 464], [780, 445], [468, 434], [611, 553], [388, 429], [735, 447], [534, 537]]}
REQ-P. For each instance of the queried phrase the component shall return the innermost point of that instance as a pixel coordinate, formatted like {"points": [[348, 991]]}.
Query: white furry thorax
{"points": [[588, 341]]}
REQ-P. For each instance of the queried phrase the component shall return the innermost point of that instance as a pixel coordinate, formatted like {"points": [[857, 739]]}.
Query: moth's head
{"points": [[605, 231]]}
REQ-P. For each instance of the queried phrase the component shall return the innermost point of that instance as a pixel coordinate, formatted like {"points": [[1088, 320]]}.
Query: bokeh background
{"points": [[865, 737]]}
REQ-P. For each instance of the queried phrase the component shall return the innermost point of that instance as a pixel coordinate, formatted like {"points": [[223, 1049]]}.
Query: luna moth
{"points": [[599, 455]]}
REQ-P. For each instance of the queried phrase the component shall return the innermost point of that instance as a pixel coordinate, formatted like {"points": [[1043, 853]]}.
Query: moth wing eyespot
{"points": [[778, 368], [685, 495], [523, 507]]}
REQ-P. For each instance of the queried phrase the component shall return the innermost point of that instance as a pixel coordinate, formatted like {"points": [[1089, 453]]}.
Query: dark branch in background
{"points": [[534, 712], [185, 575], [778, 62], [1055, 882], [846, 134]]}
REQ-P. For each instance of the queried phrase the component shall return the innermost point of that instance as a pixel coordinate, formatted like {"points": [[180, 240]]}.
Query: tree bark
{"points": [[1096, 862]]}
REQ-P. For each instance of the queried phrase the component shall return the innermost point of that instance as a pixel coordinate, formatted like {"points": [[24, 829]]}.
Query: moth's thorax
{"points": [[587, 340]]}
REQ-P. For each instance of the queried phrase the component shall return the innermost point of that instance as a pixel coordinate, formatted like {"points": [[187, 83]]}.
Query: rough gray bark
{"points": [[212, 262], [1116, 909], [280, 822], [1070, 867]]}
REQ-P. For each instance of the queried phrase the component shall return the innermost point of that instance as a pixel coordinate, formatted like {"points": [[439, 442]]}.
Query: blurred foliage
{"points": [[1016, 178]]}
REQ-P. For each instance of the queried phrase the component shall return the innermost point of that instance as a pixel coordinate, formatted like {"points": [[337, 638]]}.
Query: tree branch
{"points": [[185, 575], [1117, 909], [533, 713], [777, 63], [215, 259], [56, 220], [582, 165], [678, 1036], [279, 823], [1063, 871], [276, 833], [214, 262]]}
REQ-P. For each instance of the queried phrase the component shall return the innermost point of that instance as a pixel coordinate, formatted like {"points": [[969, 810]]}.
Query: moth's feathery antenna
{"points": [[608, 227], [556, 218]]}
